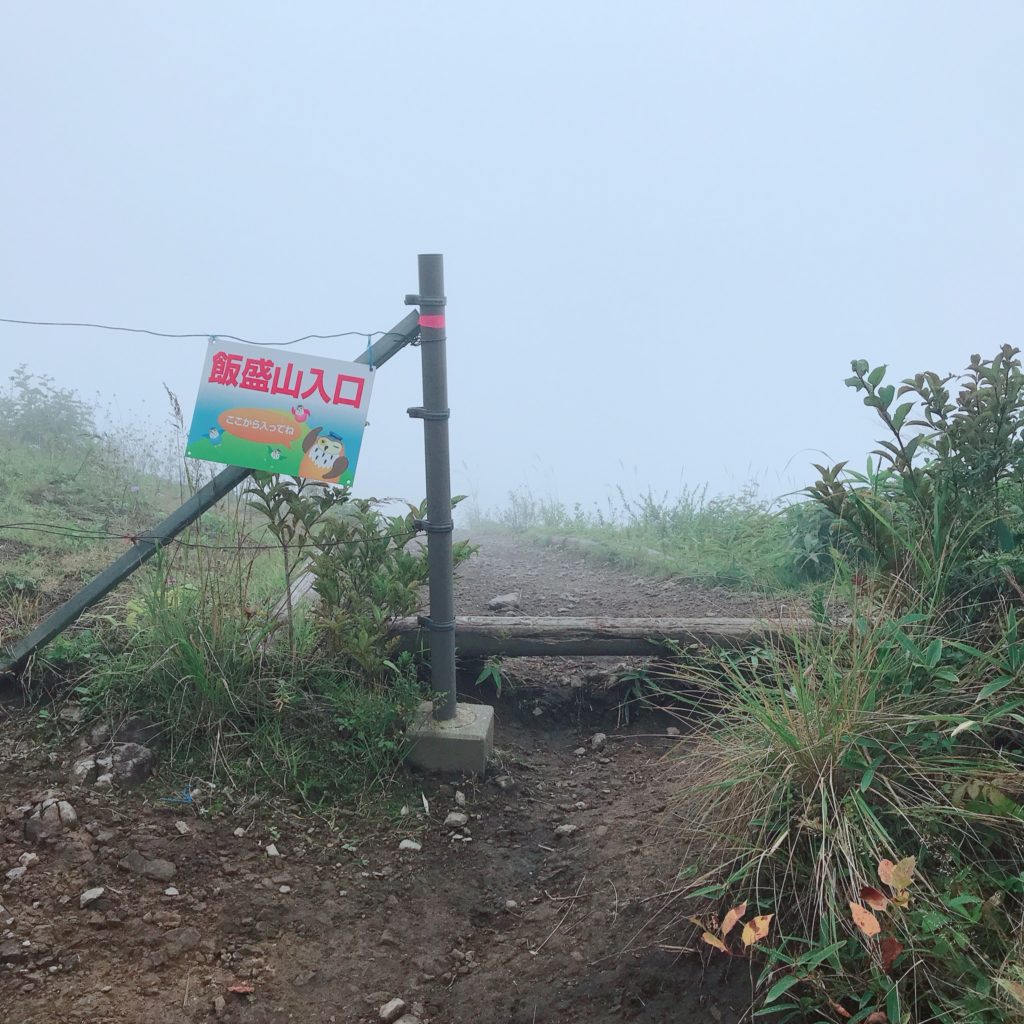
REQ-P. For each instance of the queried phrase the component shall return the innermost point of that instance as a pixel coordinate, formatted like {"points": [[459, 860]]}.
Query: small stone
{"points": [[160, 870], [672, 731], [537, 712], [391, 1011], [171, 891], [90, 896], [456, 819], [410, 845], [284, 889], [387, 939], [239, 833], [181, 940], [511, 904], [183, 829], [504, 602], [220, 1006], [104, 781], [132, 764], [460, 798], [598, 741], [580, 751], [408, 1018], [28, 860], [83, 771], [566, 830], [271, 850], [15, 873], [504, 781]]}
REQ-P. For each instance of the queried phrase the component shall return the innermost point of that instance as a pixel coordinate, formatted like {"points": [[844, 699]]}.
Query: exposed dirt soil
{"points": [[500, 920]]}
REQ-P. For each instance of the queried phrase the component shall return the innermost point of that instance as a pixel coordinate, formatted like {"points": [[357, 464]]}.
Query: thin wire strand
{"points": [[209, 335], [135, 538]]}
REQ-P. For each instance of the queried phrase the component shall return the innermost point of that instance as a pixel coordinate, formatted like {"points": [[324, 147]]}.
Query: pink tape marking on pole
{"points": [[432, 320]]}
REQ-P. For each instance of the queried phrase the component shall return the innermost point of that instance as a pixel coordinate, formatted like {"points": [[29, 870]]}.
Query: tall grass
{"points": [[740, 540]]}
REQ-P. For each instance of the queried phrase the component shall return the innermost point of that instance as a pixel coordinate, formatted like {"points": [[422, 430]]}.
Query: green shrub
{"points": [[313, 701], [944, 511]]}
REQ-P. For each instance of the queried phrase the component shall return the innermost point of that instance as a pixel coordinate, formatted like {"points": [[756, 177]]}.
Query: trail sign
{"points": [[280, 411]]}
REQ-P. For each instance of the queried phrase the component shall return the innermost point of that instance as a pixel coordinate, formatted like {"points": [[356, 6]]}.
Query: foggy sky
{"points": [[667, 226]]}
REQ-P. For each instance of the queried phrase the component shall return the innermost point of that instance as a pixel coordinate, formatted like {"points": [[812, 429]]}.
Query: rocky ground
{"points": [[526, 896]]}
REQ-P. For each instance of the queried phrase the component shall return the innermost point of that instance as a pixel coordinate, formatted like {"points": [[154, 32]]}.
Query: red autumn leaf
{"points": [[715, 941], [841, 1010], [732, 918], [875, 899], [865, 920], [242, 988], [890, 949], [756, 929]]}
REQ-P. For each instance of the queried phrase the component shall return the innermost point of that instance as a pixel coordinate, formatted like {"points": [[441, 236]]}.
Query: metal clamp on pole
{"points": [[426, 300], [417, 412], [424, 527], [437, 627]]}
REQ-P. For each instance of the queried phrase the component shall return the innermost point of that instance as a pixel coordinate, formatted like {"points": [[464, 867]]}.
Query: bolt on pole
{"points": [[440, 622]]}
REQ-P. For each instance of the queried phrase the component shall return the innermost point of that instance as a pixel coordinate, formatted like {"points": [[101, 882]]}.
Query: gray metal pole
{"points": [[434, 413], [404, 332]]}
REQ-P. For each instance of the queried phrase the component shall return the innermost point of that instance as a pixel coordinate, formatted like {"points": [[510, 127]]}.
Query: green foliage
{"points": [[891, 736], [319, 712], [848, 748], [733, 541], [943, 513]]}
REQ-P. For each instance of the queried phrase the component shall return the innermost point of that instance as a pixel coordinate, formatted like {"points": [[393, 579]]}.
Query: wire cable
{"points": [[208, 335], [74, 533]]}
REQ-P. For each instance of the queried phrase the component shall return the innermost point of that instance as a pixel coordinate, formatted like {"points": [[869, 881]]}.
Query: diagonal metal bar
{"points": [[149, 543]]}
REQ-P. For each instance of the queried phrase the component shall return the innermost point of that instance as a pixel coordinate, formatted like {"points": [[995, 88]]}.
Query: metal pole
{"points": [[402, 334], [434, 412]]}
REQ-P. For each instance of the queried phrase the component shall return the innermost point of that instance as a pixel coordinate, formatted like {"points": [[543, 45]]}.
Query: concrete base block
{"points": [[462, 744]]}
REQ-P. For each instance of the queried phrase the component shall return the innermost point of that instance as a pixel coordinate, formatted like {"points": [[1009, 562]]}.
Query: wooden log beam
{"points": [[486, 636]]}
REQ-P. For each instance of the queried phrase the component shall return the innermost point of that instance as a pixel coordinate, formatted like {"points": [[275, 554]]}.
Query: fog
{"points": [[667, 227]]}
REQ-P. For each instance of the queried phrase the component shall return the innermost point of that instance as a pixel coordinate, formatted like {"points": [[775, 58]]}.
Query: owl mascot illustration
{"points": [[324, 457]]}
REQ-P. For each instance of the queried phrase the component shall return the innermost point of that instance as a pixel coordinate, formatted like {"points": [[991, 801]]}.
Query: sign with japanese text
{"points": [[279, 411]]}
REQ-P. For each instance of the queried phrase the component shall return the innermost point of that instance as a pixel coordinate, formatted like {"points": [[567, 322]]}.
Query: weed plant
{"points": [[863, 787]]}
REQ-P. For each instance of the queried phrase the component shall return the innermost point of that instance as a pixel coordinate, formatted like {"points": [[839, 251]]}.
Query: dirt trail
{"points": [[502, 920]]}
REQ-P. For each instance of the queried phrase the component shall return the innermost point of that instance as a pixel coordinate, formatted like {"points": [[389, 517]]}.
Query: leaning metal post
{"points": [[402, 334], [438, 526]]}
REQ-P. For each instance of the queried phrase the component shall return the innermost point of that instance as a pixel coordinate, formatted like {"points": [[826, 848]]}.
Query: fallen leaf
{"points": [[732, 918], [841, 1010], [890, 949], [903, 873], [878, 1017], [756, 929], [715, 941], [242, 988], [900, 899], [865, 920], [885, 871], [426, 807], [875, 899]]}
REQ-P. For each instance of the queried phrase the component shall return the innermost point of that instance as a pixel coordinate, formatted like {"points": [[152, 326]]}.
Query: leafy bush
{"points": [[944, 512], [865, 785], [313, 701]]}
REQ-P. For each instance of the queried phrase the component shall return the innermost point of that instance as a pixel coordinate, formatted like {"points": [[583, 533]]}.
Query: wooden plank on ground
{"points": [[486, 636]]}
